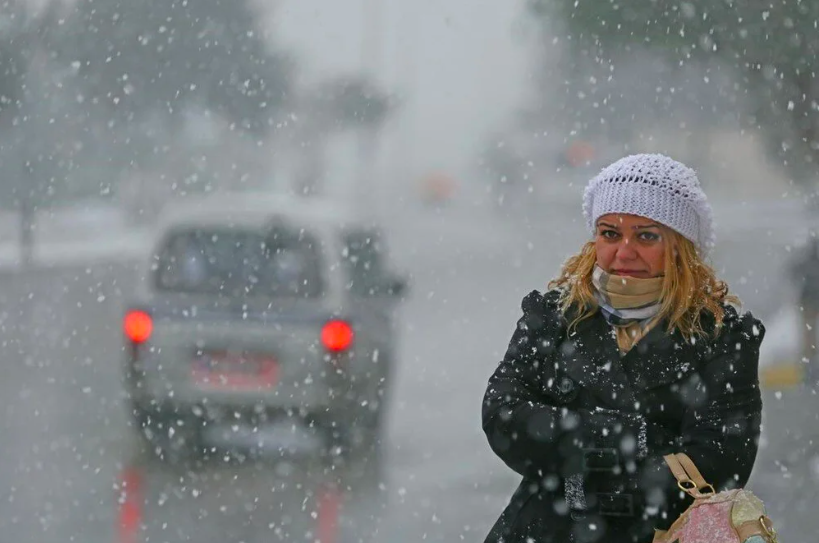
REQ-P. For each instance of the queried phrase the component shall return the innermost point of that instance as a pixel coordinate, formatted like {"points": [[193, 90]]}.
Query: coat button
{"points": [[566, 385]]}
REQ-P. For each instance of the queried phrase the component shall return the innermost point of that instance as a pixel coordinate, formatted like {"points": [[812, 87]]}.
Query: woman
{"points": [[636, 351]]}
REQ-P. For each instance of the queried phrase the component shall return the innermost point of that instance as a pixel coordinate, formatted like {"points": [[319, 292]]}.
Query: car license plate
{"points": [[234, 371]]}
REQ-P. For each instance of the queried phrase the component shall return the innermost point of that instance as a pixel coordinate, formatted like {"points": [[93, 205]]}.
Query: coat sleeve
{"points": [[720, 434], [531, 431]]}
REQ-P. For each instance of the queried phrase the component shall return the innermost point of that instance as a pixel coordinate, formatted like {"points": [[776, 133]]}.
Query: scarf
{"points": [[629, 304], [627, 300]]}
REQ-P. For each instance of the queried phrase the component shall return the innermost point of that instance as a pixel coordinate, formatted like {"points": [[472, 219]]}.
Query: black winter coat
{"points": [[587, 427]]}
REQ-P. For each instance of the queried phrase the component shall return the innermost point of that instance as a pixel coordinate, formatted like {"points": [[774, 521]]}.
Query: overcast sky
{"points": [[457, 62]]}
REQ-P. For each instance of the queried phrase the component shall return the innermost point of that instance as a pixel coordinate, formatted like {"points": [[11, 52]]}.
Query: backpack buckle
{"points": [[768, 528], [690, 487]]}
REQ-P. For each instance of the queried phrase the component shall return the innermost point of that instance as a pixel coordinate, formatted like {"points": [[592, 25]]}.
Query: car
{"points": [[262, 322]]}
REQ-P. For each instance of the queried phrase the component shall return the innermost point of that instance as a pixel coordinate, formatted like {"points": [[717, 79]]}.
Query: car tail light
{"points": [[138, 326], [337, 336]]}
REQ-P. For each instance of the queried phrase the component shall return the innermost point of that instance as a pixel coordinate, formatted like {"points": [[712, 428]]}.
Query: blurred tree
{"points": [[351, 101], [12, 60], [140, 57], [772, 47], [27, 136], [91, 88], [160, 79], [96, 91]]}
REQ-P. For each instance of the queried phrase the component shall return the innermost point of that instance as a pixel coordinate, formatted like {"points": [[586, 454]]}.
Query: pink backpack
{"points": [[733, 516]]}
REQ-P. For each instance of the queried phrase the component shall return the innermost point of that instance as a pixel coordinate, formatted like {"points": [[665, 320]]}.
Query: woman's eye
{"points": [[609, 234], [649, 236]]}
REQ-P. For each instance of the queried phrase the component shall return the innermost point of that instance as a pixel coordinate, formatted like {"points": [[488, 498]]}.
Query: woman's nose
{"points": [[625, 251]]}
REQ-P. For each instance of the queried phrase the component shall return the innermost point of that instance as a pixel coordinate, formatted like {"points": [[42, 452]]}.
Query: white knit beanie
{"points": [[655, 187]]}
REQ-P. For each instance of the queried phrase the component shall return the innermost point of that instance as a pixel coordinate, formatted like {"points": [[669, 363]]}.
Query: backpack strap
{"points": [[689, 478], [676, 468]]}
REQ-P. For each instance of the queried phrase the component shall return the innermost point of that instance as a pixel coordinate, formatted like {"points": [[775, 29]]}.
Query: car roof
{"points": [[255, 210]]}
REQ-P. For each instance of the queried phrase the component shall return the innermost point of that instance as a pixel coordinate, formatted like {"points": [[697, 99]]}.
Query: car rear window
{"points": [[281, 263]]}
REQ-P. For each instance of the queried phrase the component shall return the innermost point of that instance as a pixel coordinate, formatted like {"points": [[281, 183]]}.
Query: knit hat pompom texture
{"points": [[656, 187]]}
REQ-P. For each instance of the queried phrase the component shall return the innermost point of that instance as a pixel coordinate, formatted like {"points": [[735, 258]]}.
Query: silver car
{"points": [[262, 323]]}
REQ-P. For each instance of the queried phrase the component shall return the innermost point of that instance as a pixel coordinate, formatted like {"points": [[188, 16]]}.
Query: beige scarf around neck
{"points": [[624, 295]]}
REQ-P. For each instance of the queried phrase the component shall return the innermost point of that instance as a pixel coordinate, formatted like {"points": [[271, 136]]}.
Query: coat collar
{"points": [[591, 357]]}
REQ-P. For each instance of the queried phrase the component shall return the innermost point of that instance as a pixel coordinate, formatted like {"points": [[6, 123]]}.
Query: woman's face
{"points": [[630, 245]]}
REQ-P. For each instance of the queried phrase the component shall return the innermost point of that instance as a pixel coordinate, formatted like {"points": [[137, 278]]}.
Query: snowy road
{"points": [[65, 440]]}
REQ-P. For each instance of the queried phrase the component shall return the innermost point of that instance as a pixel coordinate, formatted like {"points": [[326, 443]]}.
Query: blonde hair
{"points": [[690, 286]]}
